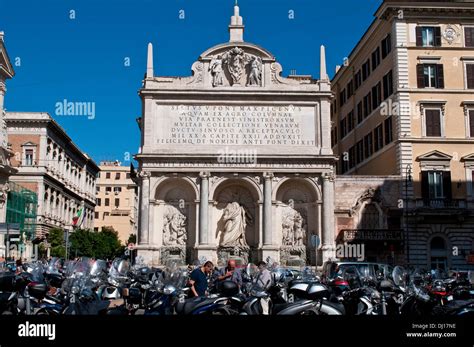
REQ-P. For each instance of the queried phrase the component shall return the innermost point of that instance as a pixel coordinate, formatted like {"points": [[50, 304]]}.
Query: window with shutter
{"points": [[378, 138], [360, 113], [343, 128], [437, 184], [469, 36], [386, 46], [433, 123], [471, 122], [352, 157], [419, 37], [437, 37], [428, 36], [387, 85], [367, 105], [472, 182], [366, 70], [388, 130], [350, 121], [439, 76], [470, 76], [359, 152], [368, 146], [430, 76], [420, 74], [375, 59], [358, 80], [425, 187], [447, 184]]}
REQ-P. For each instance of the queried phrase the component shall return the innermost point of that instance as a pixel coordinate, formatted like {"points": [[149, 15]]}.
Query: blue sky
{"points": [[84, 59]]}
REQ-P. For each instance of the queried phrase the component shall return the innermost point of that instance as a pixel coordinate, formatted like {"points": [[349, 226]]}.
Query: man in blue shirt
{"points": [[198, 279]]}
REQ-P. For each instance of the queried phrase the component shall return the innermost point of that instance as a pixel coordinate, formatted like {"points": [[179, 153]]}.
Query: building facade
{"points": [[404, 106], [50, 164], [116, 200], [236, 160], [6, 170]]}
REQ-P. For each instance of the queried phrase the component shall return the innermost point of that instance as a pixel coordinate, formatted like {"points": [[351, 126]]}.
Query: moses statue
{"points": [[234, 218]]}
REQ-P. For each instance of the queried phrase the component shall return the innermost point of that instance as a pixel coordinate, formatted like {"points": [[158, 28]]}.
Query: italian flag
{"points": [[78, 218]]}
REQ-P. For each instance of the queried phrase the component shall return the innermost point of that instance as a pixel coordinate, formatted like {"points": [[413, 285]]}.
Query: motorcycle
{"points": [[420, 301]]}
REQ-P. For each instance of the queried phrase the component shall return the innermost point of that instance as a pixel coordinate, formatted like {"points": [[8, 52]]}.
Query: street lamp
{"points": [[408, 179]]}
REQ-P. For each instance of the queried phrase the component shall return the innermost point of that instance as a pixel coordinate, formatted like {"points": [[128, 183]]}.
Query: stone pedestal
{"points": [[293, 255], [150, 255], [270, 251], [176, 254], [206, 251], [226, 253]]}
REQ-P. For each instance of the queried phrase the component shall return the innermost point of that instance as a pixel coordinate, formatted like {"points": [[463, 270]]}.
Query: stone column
{"points": [[328, 217], [269, 248], [47, 205], [267, 209], [144, 208], [204, 209], [325, 116], [3, 90]]}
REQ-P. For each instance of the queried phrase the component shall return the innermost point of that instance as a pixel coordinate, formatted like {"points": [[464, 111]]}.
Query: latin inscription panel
{"points": [[215, 125]]}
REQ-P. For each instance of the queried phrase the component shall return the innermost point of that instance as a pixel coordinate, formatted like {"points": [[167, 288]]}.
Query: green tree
{"points": [[104, 244], [56, 240], [132, 239], [82, 243]]}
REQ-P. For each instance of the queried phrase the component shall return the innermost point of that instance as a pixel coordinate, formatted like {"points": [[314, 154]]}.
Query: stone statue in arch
{"points": [[174, 227], [287, 230], [216, 71], [300, 232], [293, 229], [234, 218]]}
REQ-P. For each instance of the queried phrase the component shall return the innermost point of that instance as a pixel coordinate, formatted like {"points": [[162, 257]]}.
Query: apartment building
{"points": [[6, 170], [50, 164], [404, 106], [117, 200]]}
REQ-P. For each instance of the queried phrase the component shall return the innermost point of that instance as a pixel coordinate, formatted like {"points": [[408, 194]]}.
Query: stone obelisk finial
{"points": [[236, 27]]}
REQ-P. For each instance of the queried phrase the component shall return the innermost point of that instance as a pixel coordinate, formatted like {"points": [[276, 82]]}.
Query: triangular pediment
{"points": [[435, 155], [6, 68], [29, 144], [469, 157]]}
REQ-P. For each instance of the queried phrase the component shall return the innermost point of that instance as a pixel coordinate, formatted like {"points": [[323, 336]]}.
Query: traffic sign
{"points": [[315, 241]]}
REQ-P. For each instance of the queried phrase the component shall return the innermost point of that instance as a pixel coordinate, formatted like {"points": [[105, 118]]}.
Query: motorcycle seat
{"points": [[193, 304]]}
